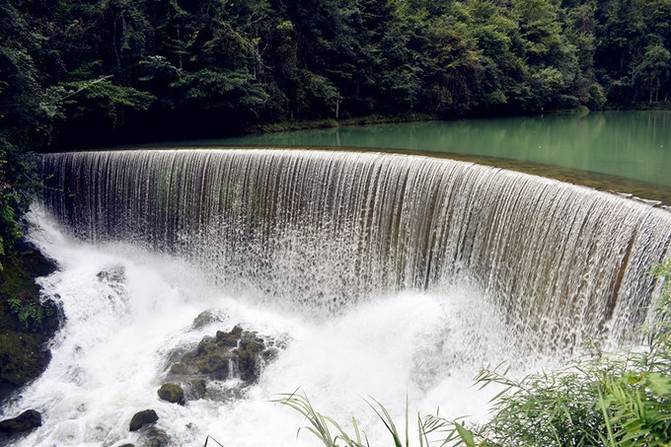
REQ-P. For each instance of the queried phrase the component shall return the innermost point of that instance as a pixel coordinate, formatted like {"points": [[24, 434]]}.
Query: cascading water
{"points": [[387, 274], [327, 228]]}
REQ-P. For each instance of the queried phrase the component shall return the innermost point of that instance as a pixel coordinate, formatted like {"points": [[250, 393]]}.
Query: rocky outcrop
{"points": [[27, 321], [142, 419], [23, 423], [154, 437], [236, 356], [206, 318]]}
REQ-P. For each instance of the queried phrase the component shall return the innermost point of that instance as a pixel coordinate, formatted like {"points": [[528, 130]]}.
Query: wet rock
{"points": [[197, 389], [172, 392], [270, 354], [227, 355], [25, 422], [113, 274], [229, 339], [248, 353], [155, 437], [206, 318], [27, 319], [142, 418], [235, 357]]}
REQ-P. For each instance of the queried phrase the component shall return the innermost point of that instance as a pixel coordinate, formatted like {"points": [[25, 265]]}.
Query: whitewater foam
{"points": [[109, 358]]}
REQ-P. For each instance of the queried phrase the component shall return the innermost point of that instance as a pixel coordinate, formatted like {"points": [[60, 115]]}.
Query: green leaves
{"points": [[465, 435], [431, 429], [78, 99]]}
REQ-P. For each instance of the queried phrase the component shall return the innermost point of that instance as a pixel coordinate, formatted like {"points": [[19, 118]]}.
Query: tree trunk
{"points": [[179, 53]]}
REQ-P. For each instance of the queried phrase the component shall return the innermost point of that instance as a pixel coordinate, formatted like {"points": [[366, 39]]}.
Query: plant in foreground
{"points": [[605, 401], [330, 433]]}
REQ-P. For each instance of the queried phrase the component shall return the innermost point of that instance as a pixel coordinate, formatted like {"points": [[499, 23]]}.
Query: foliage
{"points": [[331, 434], [105, 62], [17, 184], [603, 401], [29, 313], [98, 72]]}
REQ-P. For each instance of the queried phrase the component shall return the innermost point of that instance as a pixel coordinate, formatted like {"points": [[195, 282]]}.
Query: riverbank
{"points": [[27, 324], [367, 120], [288, 126]]}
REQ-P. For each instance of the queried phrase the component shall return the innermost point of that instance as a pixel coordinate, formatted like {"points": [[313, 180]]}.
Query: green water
{"points": [[633, 145]]}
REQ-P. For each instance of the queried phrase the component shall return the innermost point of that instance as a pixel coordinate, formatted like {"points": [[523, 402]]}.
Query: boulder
{"points": [[25, 422], [172, 392], [219, 367], [206, 318], [155, 437], [142, 419], [236, 354]]}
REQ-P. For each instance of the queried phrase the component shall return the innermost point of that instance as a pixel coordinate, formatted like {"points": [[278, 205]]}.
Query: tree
{"points": [[654, 69]]}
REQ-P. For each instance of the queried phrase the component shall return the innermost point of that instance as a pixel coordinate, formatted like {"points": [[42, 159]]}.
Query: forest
{"points": [[80, 73]]}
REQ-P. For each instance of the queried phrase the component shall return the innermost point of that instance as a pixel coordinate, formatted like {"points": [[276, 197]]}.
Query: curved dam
{"points": [[319, 230]]}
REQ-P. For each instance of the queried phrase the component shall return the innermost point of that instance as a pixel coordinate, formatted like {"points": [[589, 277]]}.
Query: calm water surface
{"points": [[633, 145]]}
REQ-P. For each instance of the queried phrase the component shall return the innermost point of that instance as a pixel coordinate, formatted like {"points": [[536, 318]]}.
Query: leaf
{"points": [[465, 435]]}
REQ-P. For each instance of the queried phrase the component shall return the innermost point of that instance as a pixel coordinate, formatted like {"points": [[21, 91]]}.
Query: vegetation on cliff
{"points": [[26, 322]]}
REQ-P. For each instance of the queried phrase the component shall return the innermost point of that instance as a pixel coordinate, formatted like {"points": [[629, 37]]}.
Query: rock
{"points": [[248, 353], [172, 392], [27, 320], [127, 445], [210, 359], [229, 355], [270, 354], [113, 274], [155, 437], [206, 318], [229, 339], [26, 421], [197, 389], [142, 418]]}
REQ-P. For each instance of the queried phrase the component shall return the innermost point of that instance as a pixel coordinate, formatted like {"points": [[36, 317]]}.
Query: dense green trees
{"points": [[95, 72], [102, 70]]}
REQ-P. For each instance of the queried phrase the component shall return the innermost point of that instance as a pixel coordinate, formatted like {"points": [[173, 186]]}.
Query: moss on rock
{"points": [[142, 419], [236, 356], [171, 392], [26, 322]]}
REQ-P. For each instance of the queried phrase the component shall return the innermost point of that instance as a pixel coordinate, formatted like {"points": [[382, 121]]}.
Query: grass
{"points": [[330, 433], [607, 400]]}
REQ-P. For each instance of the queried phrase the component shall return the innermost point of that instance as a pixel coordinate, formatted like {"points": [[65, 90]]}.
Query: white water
{"points": [[325, 230], [108, 359]]}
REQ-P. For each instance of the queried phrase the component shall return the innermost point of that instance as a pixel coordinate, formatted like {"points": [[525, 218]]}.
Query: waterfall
{"points": [[321, 229]]}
